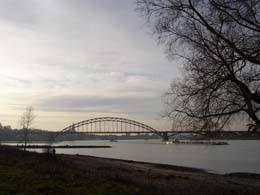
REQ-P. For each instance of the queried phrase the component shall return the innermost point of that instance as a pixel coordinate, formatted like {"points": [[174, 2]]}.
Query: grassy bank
{"points": [[32, 173]]}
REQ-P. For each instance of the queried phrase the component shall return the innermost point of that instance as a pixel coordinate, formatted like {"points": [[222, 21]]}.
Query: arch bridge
{"points": [[116, 125], [113, 125]]}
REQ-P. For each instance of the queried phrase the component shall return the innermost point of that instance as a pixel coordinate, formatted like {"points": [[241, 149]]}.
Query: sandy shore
{"points": [[167, 179]]}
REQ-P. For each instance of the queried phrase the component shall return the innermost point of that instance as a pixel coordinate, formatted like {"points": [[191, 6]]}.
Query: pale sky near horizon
{"points": [[75, 60]]}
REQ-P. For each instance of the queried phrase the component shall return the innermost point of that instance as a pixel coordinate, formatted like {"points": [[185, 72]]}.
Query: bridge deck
{"points": [[113, 132], [170, 132]]}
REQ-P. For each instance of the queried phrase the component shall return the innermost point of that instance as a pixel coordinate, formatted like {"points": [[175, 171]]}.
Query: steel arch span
{"points": [[110, 125]]}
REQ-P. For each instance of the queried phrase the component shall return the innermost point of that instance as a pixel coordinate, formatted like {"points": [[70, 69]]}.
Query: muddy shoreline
{"points": [[164, 167], [168, 178], [136, 177]]}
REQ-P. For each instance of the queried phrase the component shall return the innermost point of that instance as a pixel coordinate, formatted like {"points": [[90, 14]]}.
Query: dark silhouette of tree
{"points": [[219, 43], [26, 122]]}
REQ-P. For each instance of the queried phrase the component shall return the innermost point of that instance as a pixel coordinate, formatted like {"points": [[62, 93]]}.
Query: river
{"points": [[238, 156]]}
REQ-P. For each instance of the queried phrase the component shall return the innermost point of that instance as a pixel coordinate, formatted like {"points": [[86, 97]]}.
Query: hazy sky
{"points": [[77, 59]]}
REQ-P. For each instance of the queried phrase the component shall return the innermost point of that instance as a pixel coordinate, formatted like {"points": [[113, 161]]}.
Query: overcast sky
{"points": [[74, 60]]}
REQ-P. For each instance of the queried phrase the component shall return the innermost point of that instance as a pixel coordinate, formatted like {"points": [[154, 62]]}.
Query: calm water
{"points": [[238, 156]]}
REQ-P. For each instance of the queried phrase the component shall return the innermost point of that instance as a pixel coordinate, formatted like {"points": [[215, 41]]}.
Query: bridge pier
{"points": [[164, 136]]}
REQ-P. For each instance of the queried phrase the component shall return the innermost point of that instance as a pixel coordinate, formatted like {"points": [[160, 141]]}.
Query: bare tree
{"points": [[219, 42], [26, 122]]}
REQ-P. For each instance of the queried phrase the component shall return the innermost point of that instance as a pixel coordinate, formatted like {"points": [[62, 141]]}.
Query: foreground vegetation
{"points": [[29, 173]]}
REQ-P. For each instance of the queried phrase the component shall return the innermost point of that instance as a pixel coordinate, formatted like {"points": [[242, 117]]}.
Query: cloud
{"points": [[112, 104], [80, 56]]}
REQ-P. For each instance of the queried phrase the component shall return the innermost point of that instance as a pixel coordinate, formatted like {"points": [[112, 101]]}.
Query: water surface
{"points": [[238, 156]]}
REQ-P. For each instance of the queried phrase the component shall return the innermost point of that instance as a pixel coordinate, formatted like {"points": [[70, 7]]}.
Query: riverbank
{"points": [[33, 173]]}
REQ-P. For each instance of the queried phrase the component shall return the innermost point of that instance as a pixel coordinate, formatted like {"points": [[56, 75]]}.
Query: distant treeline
{"points": [[9, 134]]}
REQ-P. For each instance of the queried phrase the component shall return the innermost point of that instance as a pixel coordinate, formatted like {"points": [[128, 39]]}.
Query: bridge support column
{"points": [[165, 136]]}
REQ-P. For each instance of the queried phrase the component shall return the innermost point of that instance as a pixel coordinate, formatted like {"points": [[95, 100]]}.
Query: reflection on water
{"points": [[238, 156]]}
